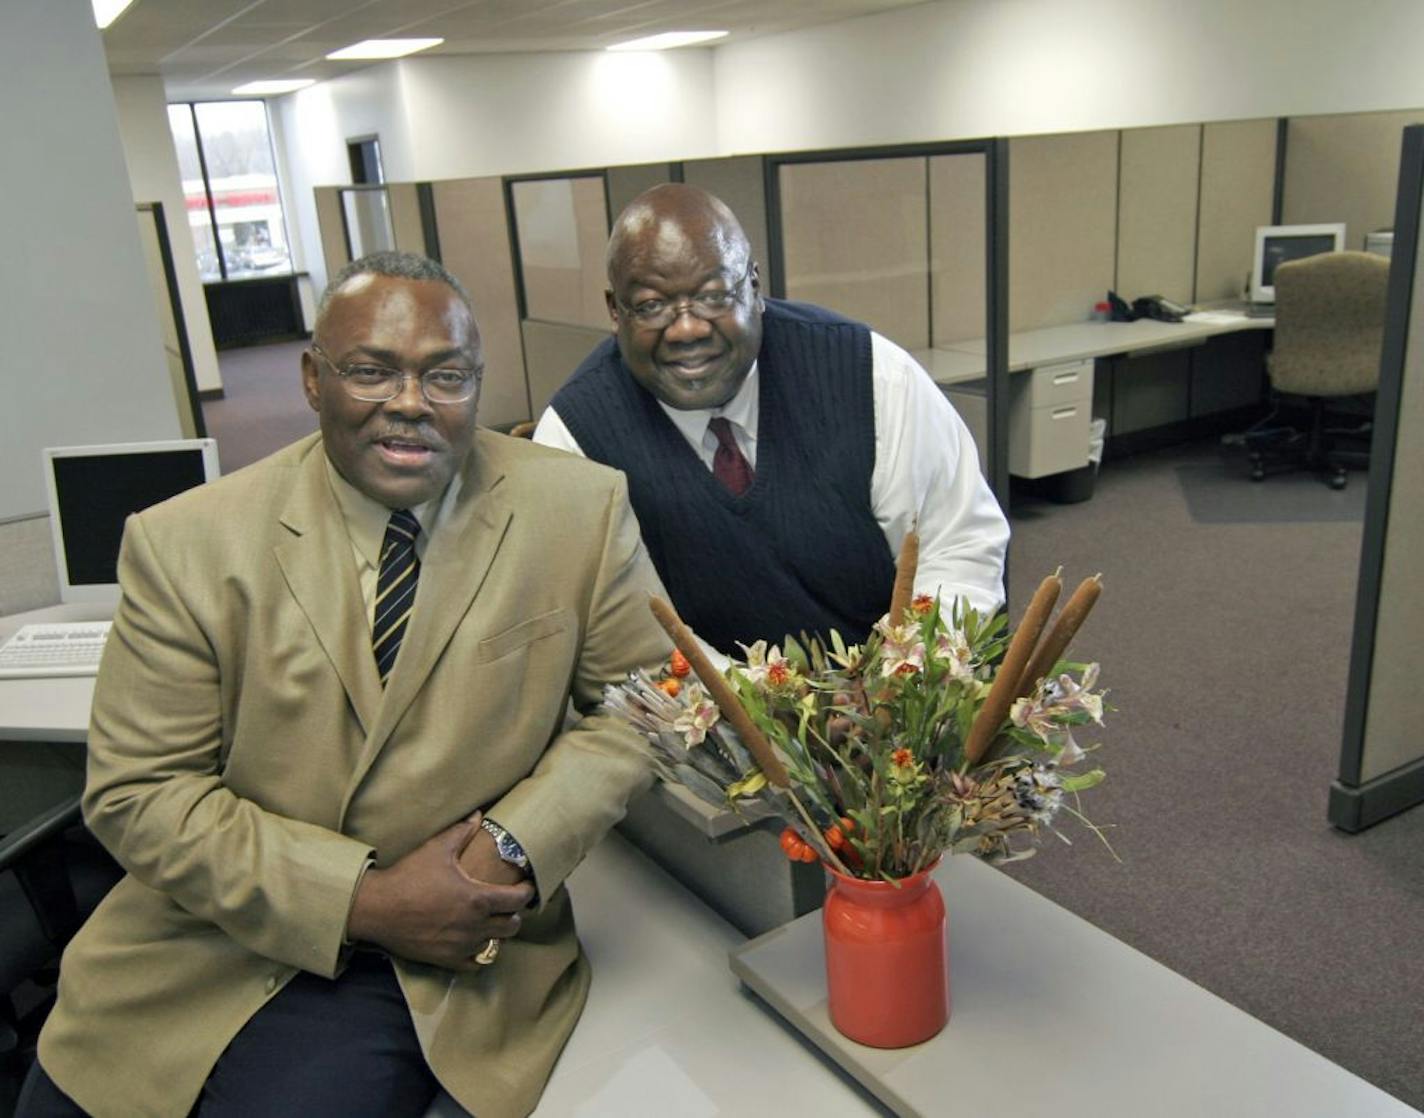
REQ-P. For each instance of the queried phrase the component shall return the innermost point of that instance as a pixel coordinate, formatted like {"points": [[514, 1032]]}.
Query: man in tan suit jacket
{"points": [[300, 838]]}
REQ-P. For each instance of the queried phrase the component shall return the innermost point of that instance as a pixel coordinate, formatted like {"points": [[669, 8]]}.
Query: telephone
{"points": [[1147, 306], [1162, 309]]}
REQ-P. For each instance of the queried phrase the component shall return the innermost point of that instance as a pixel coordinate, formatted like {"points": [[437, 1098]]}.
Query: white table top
{"points": [[1052, 1016], [952, 362], [47, 709], [668, 1029]]}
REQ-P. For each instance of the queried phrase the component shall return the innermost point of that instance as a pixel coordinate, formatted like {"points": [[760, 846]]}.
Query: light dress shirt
{"points": [[926, 467], [366, 520]]}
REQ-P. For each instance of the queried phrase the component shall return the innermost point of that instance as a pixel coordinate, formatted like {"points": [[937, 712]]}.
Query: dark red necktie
{"points": [[729, 464]]}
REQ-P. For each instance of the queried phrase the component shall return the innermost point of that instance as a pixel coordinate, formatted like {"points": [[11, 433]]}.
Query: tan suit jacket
{"points": [[244, 762]]}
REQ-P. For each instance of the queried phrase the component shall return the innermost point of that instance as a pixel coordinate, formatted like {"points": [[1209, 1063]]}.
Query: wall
{"points": [[470, 116], [1015, 67], [83, 357], [154, 177]]}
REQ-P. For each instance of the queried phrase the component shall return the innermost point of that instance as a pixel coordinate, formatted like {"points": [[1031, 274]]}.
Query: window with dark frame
{"points": [[230, 190]]}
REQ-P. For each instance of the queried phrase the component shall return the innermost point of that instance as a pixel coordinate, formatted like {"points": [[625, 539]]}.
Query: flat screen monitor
{"points": [[94, 489], [1276, 244]]}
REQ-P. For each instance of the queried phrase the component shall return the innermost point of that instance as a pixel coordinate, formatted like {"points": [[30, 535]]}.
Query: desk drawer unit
{"points": [[1050, 409]]}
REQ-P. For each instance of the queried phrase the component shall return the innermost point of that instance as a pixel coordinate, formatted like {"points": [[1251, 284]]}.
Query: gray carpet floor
{"points": [[1225, 643], [1224, 632]]}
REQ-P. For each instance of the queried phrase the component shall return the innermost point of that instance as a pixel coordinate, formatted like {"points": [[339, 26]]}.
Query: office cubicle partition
{"points": [[158, 255], [1382, 753], [912, 239]]}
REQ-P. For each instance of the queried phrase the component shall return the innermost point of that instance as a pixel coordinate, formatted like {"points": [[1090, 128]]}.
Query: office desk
{"points": [[1052, 1016], [47, 709], [1050, 408]]}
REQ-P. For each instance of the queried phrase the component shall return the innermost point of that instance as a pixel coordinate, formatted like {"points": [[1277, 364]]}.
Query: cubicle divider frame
{"points": [[356, 188], [995, 151], [1356, 802], [509, 182], [425, 197], [180, 323]]}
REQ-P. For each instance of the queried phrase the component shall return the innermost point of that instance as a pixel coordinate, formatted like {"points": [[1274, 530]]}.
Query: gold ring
{"points": [[488, 953]]}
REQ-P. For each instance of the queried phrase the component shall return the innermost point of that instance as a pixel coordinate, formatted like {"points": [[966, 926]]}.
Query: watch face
{"points": [[511, 851]]}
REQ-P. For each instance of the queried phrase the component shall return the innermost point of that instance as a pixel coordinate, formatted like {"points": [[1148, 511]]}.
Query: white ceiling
{"points": [[203, 48]]}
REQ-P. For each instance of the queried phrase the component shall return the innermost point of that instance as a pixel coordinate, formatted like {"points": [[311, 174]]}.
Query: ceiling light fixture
{"points": [[383, 48], [272, 88], [106, 11], [667, 40]]}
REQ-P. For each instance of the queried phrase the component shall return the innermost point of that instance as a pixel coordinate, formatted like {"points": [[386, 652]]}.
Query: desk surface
{"points": [[1052, 1016], [47, 709], [1049, 1012], [953, 362]]}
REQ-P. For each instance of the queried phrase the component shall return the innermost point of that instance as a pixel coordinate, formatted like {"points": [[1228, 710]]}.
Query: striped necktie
{"points": [[395, 589]]}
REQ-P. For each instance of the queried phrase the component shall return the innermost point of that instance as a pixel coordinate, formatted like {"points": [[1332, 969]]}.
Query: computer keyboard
{"points": [[67, 648]]}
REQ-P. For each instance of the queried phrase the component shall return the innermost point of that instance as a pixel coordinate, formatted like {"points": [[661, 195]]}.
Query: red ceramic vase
{"points": [[887, 963]]}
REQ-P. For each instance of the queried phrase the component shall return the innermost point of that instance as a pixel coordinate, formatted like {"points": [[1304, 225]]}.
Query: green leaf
{"points": [[1078, 781]]}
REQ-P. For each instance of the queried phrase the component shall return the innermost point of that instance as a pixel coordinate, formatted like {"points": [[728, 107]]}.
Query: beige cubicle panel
{"points": [[1062, 226], [474, 246], [1395, 707], [855, 239], [626, 183], [552, 351], [408, 229], [1345, 167], [740, 181], [333, 232], [1238, 171], [1157, 211], [562, 229], [957, 247], [170, 321]]}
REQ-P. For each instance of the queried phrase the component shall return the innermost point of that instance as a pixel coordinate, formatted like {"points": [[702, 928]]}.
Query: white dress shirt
{"points": [[926, 469]]}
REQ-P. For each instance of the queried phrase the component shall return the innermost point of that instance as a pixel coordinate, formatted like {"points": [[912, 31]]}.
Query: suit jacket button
{"points": [[271, 983]]}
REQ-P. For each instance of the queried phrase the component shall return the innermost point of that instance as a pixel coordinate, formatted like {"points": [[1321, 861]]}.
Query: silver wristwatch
{"points": [[506, 845]]}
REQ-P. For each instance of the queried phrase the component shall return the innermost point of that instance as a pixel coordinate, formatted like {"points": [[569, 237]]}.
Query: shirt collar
{"points": [[742, 410], [366, 518]]}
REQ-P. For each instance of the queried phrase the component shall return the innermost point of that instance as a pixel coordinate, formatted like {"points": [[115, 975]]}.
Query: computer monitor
{"points": [[1276, 244], [93, 489]]}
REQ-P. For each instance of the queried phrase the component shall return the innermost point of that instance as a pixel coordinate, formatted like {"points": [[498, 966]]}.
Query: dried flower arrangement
{"points": [[880, 757]]}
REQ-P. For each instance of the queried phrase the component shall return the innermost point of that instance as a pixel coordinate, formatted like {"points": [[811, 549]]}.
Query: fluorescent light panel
{"points": [[106, 11], [271, 88], [384, 48], [667, 40]]}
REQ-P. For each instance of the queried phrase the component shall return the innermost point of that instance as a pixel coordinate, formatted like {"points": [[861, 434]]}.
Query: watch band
{"points": [[506, 845]]}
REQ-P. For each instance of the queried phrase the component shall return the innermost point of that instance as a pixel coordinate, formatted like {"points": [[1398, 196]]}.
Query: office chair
{"points": [[1329, 333], [52, 875]]}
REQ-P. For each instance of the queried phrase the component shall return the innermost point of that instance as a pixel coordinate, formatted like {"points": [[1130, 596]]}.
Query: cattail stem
{"points": [[1001, 696], [1070, 620], [722, 694], [905, 564]]}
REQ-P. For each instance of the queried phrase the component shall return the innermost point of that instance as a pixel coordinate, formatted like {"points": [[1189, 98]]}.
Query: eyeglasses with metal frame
{"points": [[377, 384], [659, 314]]}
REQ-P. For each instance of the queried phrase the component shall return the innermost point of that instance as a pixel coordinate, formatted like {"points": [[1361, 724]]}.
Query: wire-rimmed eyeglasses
{"points": [[659, 314], [375, 384]]}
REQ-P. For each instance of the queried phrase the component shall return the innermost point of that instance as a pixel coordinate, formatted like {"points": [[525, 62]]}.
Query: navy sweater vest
{"points": [[800, 551]]}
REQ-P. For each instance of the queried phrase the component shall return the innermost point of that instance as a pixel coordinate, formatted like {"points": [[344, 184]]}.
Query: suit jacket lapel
{"points": [[455, 566], [317, 563]]}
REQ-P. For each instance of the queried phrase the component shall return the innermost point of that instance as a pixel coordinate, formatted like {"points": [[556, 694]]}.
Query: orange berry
{"points": [[669, 687], [835, 838], [807, 854], [678, 665], [789, 839]]}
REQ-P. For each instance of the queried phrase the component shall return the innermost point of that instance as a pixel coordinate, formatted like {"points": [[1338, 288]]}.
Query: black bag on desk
{"points": [[1146, 306]]}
